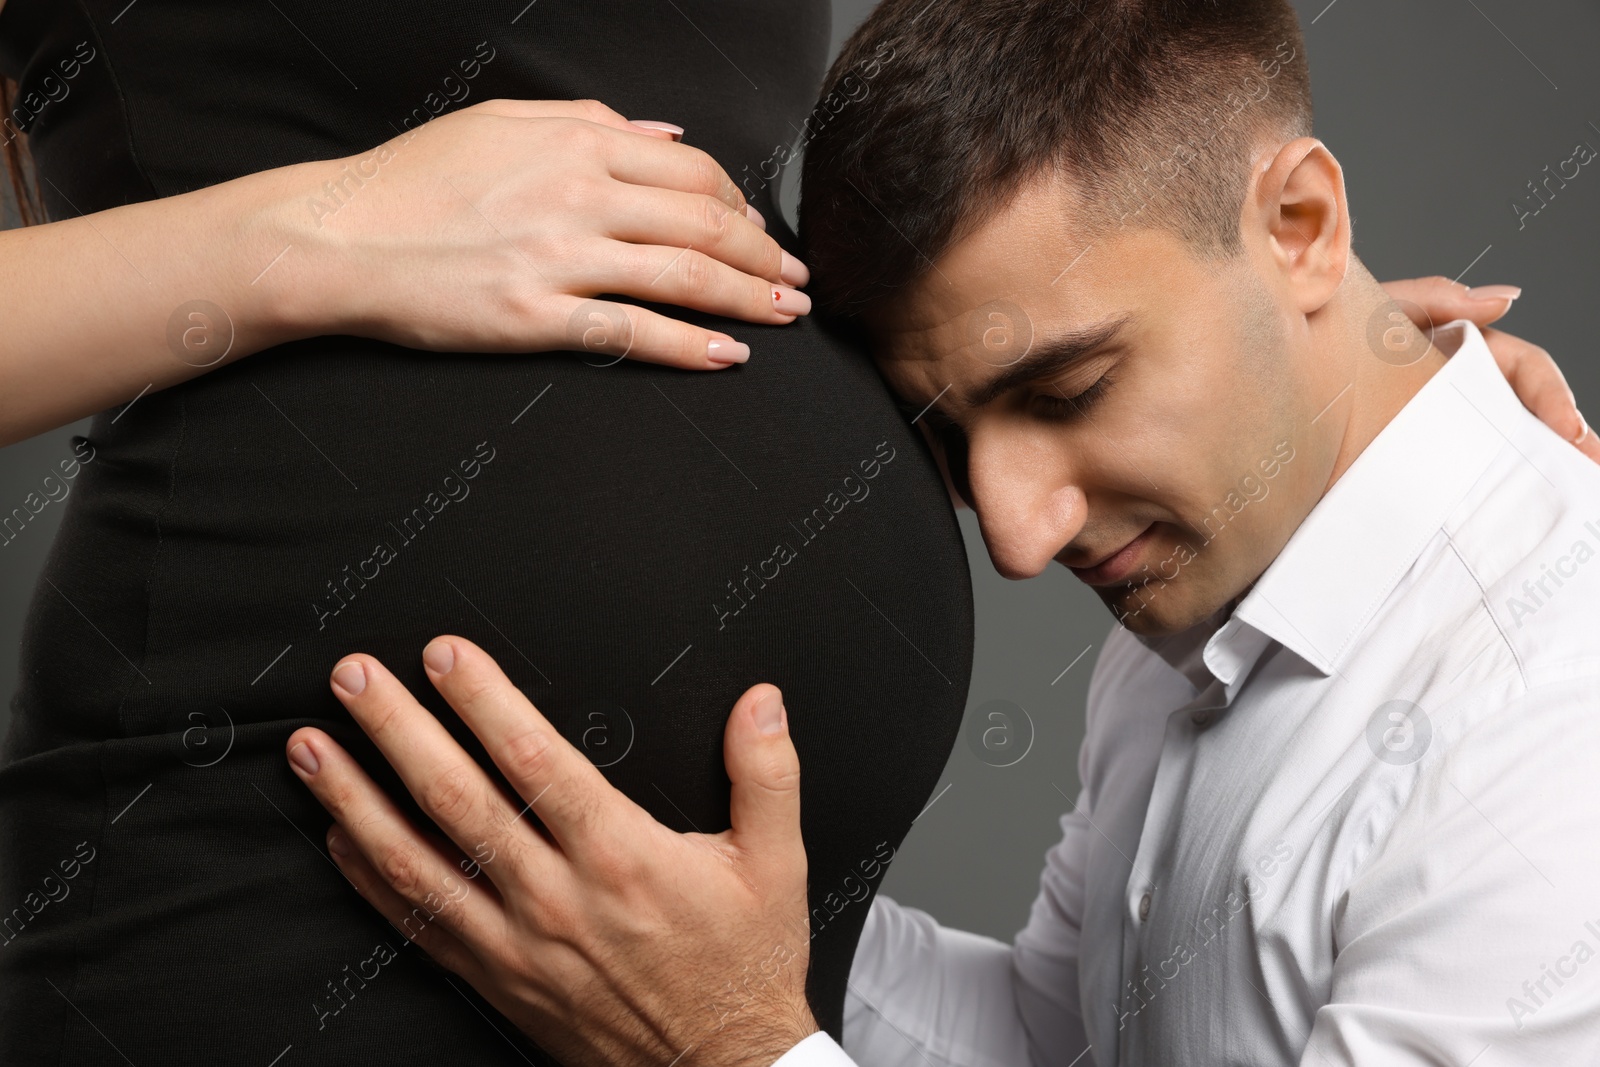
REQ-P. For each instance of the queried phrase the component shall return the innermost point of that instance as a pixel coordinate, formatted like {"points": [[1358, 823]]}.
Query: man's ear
{"points": [[1297, 206]]}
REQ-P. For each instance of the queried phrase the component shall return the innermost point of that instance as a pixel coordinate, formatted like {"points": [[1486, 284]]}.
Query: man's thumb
{"points": [[765, 771]]}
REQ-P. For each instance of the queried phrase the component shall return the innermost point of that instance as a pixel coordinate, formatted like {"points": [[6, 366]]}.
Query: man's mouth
{"points": [[1119, 564]]}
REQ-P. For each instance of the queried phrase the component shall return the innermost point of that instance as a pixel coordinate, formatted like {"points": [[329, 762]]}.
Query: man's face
{"points": [[1141, 414]]}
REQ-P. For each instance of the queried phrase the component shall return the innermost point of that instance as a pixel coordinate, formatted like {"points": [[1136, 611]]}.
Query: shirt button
{"points": [[1144, 907], [1200, 718]]}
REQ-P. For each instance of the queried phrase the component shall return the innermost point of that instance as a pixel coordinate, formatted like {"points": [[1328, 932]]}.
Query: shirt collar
{"points": [[1185, 651], [1346, 558]]}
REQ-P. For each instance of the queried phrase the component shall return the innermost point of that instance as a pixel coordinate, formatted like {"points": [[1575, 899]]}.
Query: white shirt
{"points": [[1272, 863]]}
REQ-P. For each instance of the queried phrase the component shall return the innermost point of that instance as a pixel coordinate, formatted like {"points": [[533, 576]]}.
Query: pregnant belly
{"points": [[635, 545]]}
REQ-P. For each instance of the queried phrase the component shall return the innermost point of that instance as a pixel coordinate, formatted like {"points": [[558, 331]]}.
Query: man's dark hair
{"points": [[1151, 108]]}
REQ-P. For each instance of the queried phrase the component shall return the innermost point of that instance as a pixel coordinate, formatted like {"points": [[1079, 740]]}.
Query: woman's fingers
{"points": [[670, 165], [588, 204], [689, 278], [570, 796], [671, 131], [586, 110], [650, 216], [1436, 301], [680, 237], [433, 887], [1587, 442], [448, 784], [614, 332], [1542, 388]]}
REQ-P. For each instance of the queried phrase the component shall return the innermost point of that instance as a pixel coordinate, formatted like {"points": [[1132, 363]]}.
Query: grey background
{"points": [[1441, 112]]}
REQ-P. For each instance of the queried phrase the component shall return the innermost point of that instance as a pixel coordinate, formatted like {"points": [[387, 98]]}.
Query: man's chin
{"points": [[1171, 613]]}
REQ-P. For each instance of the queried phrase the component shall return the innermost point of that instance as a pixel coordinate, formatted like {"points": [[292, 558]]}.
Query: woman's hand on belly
{"points": [[608, 938], [495, 228]]}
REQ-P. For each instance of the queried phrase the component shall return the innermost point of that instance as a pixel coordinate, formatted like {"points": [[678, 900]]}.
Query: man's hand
{"points": [[1533, 375], [608, 938]]}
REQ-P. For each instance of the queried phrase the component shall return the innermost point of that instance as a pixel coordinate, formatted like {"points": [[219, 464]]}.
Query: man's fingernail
{"points": [[726, 350], [338, 844], [793, 271], [1494, 292], [1583, 432], [652, 124], [439, 657], [790, 301], [351, 677], [302, 756], [755, 216], [769, 713]]}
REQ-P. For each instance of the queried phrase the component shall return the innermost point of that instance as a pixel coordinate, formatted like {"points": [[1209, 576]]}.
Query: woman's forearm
{"points": [[489, 229], [99, 308]]}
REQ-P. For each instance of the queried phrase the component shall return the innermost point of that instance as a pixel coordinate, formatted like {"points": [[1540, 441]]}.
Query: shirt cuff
{"points": [[818, 1050]]}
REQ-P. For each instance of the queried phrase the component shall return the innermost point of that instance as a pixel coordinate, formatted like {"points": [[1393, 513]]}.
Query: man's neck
{"points": [[1367, 333]]}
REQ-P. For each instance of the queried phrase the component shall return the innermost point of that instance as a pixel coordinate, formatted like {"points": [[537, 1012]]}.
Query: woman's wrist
{"points": [[285, 273], [325, 227]]}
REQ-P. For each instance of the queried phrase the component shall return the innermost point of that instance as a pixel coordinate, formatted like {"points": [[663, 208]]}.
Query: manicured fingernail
{"points": [[755, 216], [790, 301], [1494, 292], [338, 844], [769, 713], [1583, 431], [351, 677], [727, 351], [793, 271], [439, 656], [302, 756], [666, 127]]}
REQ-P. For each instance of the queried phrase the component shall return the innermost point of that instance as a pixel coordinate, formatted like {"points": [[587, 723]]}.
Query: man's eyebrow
{"points": [[1048, 357]]}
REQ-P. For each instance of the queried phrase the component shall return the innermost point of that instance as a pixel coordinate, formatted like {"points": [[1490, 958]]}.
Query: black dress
{"points": [[636, 545]]}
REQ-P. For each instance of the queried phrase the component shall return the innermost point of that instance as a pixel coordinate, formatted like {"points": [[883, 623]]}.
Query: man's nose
{"points": [[1028, 499]]}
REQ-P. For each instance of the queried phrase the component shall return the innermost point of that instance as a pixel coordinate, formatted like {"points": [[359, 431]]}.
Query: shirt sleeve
{"points": [[924, 995], [818, 1050], [1473, 929]]}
